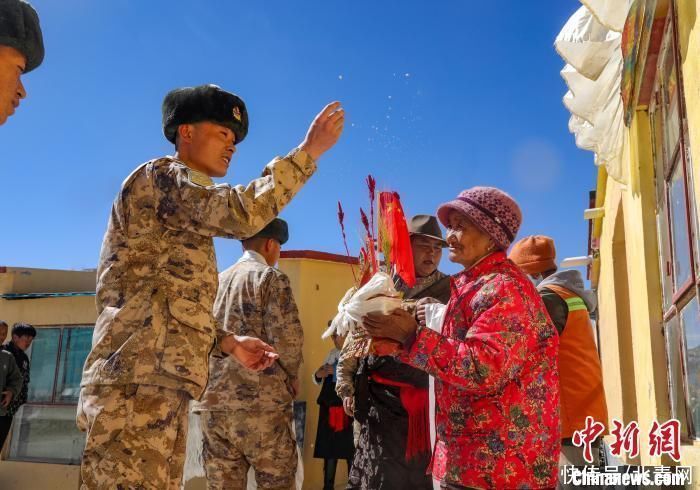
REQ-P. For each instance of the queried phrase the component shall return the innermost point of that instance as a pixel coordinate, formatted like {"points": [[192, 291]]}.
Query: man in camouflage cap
{"points": [[157, 280], [247, 416], [21, 50]]}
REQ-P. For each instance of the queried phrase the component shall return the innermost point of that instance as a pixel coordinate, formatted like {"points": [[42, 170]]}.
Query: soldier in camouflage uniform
{"points": [[157, 280], [247, 416]]}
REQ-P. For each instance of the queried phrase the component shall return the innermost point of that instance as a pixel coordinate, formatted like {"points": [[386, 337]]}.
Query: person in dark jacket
{"points": [[334, 433], [390, 399], [10, 384], [22, 336]]}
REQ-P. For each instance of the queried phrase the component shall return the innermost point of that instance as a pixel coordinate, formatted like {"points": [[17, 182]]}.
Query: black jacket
{"points": [[22, 361]]}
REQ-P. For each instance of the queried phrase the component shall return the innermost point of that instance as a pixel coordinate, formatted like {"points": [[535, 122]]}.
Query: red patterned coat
{"points": [[497, 381]]}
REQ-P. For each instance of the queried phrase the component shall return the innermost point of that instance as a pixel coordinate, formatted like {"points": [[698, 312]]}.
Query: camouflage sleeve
{"points": [[281, 323], [345, 373], [226, 211], [222, 318]]}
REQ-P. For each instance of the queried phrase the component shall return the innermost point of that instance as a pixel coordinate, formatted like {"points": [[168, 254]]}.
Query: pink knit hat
{"points": [[492, 210]]}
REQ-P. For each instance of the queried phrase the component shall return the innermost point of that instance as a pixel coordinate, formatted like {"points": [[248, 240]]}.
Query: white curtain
{"points": [[590, 44]]}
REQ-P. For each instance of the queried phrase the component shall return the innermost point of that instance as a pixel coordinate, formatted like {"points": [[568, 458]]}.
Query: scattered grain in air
{"points": [[407, 75], [340, 77]]}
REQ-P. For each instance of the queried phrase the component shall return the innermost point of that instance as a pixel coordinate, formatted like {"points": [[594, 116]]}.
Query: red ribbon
{"points": [[337, 419], [415, 401]]}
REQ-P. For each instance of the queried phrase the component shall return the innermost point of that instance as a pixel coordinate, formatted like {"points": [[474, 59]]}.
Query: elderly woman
{"points": [[495, 360]]}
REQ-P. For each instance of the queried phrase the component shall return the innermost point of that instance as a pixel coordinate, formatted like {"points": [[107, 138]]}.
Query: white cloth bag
{"points": [[378, 295], [434, 319]]}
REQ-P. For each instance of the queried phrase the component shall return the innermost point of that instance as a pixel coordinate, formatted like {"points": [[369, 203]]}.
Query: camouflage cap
{"points": [[276, 229], [20, 29], [211, 103]]}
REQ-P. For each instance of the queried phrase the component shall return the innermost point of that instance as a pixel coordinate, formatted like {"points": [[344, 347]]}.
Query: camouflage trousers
{"points": [[236, 440], [136, 437]]}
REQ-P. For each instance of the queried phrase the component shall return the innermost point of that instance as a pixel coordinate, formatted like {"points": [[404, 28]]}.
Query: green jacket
{"points": [[10, 377]]}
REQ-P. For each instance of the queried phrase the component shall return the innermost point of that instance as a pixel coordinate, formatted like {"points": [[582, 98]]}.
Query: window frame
{"points": [[46, 404], [679, 156], [680, 295], [53, 402]]}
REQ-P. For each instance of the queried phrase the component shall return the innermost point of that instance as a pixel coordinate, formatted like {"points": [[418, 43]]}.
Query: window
{"points": [[44, 428], [677, 226]]}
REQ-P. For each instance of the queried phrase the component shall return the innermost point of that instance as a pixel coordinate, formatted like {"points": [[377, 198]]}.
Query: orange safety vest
{"points": [[580, 375]]}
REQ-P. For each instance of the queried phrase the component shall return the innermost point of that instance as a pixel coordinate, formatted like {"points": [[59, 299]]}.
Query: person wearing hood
{"points": [[569, 305]]}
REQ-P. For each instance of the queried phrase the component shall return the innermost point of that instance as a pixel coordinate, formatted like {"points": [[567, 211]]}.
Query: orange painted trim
{"points": [[316, 255]]}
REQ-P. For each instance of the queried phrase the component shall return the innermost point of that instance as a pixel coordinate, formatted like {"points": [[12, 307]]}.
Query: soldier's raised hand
{"points": [[324, 130], [252, 352]]}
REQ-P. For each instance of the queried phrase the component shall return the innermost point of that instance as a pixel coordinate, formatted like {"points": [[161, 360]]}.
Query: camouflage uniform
{"points": [[247, 416], [137, 436], [156, 285]]}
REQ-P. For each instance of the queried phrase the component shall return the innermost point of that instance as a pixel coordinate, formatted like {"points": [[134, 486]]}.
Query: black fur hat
{"points": [[20, 29], [190, 105]]}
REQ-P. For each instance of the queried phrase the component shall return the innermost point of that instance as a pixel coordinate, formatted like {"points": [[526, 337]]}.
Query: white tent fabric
{"points": [[590, 43], [611, 13]]}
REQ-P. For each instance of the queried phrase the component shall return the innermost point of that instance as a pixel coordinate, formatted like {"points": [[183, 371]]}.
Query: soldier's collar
{"points": [[199, 178], [196, 177]]}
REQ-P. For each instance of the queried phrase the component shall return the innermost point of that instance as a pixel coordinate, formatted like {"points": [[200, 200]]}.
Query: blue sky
{"points": [[440, 96]]}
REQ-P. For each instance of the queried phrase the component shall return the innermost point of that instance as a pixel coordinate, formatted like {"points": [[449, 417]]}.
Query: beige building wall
{"points": [[629, 292], [318, 280], [44, 312]]}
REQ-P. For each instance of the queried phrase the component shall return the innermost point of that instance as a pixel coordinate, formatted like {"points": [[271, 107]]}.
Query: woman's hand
{"points": [[6, 398], [349, 406], [420, 309], [399, 325], [324, 371]]}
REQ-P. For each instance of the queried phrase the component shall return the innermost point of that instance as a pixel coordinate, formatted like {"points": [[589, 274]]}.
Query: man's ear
{"points": [[184, 132]]}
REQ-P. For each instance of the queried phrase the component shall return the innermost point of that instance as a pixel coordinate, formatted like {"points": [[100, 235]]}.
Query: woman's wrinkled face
{"points": [[466, 242]]}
